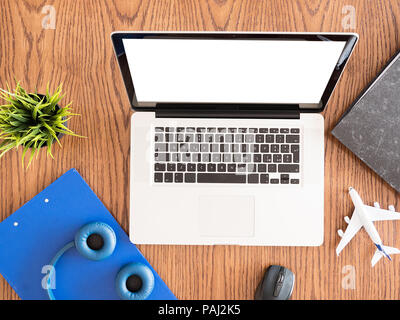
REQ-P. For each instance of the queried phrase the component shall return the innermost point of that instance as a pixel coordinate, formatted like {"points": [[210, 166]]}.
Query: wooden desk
{"points": [[78, 52]]}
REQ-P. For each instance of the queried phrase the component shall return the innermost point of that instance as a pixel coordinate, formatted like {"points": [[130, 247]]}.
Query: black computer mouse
{"points": [[277, 284]]}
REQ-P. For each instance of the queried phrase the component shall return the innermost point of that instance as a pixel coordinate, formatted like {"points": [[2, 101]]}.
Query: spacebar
{"points": [[221, 178]]}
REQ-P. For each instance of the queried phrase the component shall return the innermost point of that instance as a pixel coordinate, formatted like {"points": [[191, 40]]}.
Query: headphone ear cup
{"points": [[144, 276], [105, 241]]}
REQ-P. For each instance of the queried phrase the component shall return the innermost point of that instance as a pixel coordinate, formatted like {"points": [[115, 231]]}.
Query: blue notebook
{"points": [[31, 236]]}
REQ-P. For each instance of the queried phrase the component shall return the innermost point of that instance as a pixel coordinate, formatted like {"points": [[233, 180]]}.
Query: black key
{"points": [[186, 157], [161, 157], [173, 147], [245, 148], [201, 129], [232, 167], [241, 167], [229, 138], [227, 157], [211, 167], [295, 130], [159, 129], [264, 178], [259, 138], [235, 148], [183, 147], [216, 157], [294, 181], [159, 167], [171, 167], [158, 137], [262, 167], [265, 148], [194, 147], [296, 157], [274, 130], [295, 138], [158, 177], [221, 167], [237, 157], [201, 167], [287, 158], [224, 147], [168, 177], [214, 147], [288, 168], [204, 147], [249, 138], [199, 137], [242, 130], [190, 129], [181, 167], [222, 130], [196, 157], [269, 138], [211, 129], [263, 130], [274, 181], [253, 178], [284, 130], [251, 167], [253, 130], [275, 148], [209, 138], [277, 158], [191, 167], [284, 148], [267, 158], [180, 137], [169, 137], [247, 157], [280, 138], [295, 148], [169, 129], [176, 157], [232, 130], [206, 157], [221, 178], [180, 129], [257, 157], [284, 178], [178, 177], [190, 177], [255, 148], [272, 168], [239, 138], [189, 138], [219, 138], [161, 147]]}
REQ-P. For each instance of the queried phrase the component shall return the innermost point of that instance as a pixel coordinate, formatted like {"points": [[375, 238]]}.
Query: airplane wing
{"points": [[353, 227], [378, 214]]}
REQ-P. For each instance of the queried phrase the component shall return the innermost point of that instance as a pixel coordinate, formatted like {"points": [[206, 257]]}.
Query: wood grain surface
{"points": [[78, 53]]}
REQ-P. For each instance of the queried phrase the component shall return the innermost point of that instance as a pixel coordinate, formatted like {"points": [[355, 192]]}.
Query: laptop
{"points": [[227, 136]]}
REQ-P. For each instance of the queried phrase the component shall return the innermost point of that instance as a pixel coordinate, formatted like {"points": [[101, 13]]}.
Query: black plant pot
{"points": [[59, 135]]}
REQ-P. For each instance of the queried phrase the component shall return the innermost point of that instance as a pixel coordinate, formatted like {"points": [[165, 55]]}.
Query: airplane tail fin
{"points": [[382, 251]]}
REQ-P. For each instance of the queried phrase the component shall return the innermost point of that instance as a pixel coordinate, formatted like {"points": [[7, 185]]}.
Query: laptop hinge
{"points": [[227, 111]]}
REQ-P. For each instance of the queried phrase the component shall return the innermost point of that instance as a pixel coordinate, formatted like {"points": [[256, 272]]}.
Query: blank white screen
{"points": [[231, 71]]}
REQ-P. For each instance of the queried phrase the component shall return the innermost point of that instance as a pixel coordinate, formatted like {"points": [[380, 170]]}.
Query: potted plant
{"points": [[32, 121]]}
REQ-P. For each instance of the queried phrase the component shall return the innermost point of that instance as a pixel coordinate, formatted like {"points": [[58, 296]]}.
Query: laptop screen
{"points": [[231, 71]]}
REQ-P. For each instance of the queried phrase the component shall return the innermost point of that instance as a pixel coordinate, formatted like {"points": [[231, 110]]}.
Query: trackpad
{"points": [[226, 216]]}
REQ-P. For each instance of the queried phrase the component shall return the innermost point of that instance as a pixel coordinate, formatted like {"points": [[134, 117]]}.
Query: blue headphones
{"points": [[97, 241]]}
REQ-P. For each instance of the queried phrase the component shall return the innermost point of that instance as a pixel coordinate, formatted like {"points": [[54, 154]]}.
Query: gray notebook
{"points": [[371, 126]]}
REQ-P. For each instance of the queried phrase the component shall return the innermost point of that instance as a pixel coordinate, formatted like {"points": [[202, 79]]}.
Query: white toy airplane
{"points": [[363, 216]]}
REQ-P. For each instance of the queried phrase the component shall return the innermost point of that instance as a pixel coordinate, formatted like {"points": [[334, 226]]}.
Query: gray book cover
{"points": [[371, 126]]}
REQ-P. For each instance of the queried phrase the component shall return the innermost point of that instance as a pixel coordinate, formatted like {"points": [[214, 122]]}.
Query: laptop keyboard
{"points": [[227, 155]]}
